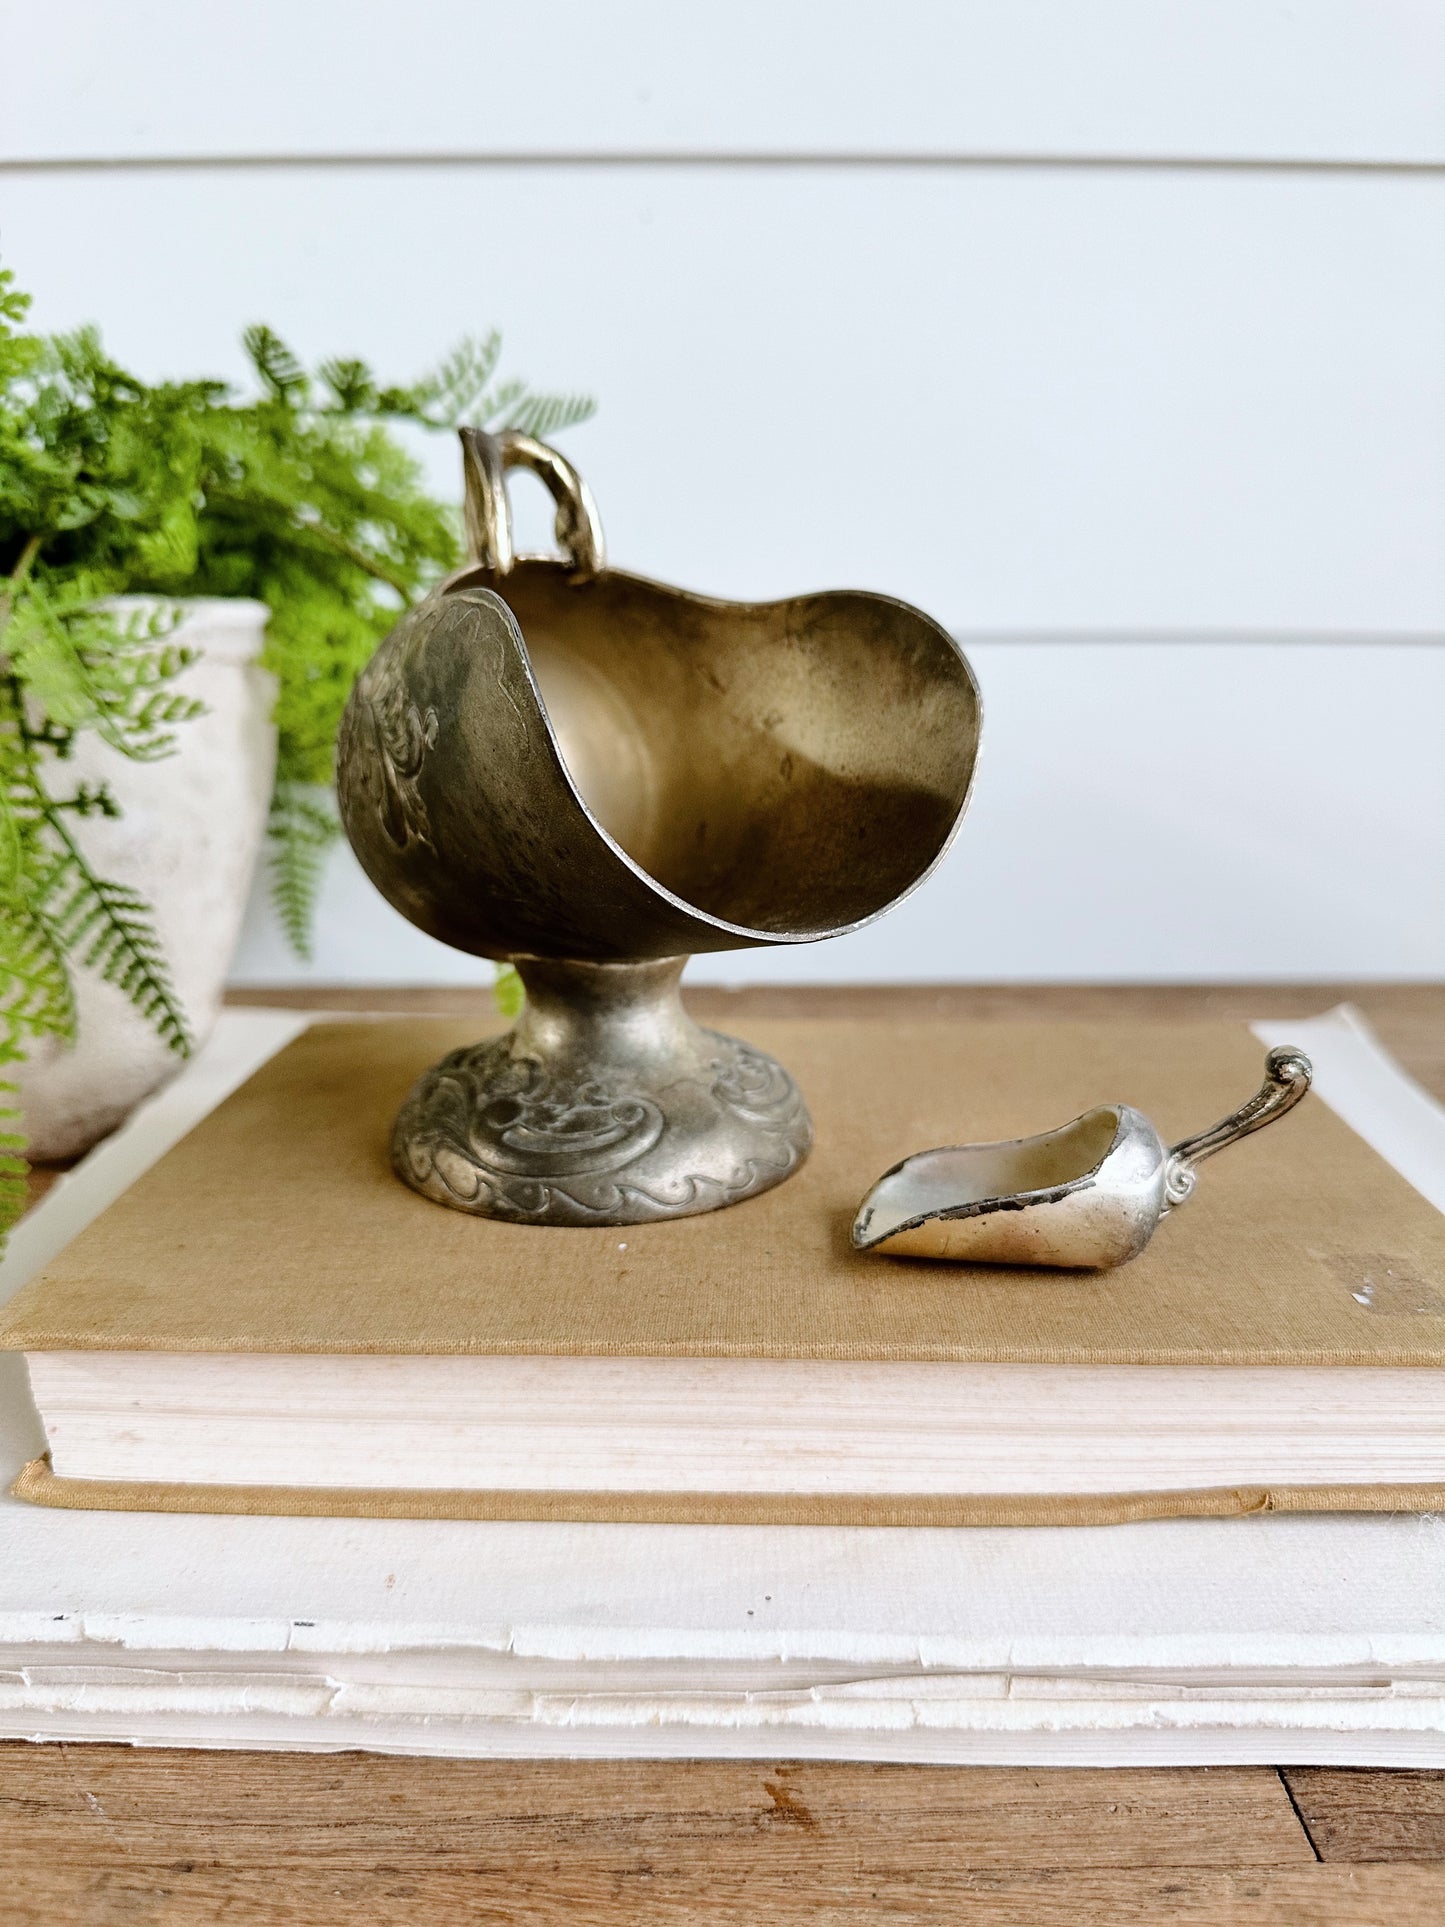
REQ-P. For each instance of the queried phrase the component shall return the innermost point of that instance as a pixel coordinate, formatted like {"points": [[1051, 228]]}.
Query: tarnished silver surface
{"points": [[606, 1104], [1086, 1196], [553, 763]]}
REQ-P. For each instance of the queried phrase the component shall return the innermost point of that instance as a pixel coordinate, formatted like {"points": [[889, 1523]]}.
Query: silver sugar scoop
{"points": [[1087, 1196]]}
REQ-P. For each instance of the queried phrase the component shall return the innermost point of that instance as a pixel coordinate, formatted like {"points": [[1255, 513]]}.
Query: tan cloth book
{"points": [[269, 1321]]}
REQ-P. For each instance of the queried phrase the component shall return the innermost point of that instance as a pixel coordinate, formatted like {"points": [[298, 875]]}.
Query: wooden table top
{"points": [[97, 1836]]}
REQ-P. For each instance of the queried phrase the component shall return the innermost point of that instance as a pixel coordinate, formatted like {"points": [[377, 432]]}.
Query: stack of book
{"points": [[313, 1462]]}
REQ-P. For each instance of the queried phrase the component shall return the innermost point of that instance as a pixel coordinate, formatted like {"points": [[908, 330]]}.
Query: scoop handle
{"points": [[488, 512], [1288, 1074]]}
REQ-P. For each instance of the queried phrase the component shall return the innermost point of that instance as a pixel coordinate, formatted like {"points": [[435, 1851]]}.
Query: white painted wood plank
{"points": [[1336, 80], [1044, 400], [1187, 812]]}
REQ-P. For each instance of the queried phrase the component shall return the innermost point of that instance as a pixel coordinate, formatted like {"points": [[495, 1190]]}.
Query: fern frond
{"points": [[13, 1167], [495, 409], [281, 373], [301, 831], [14, 303], [452, 391], [544, 415], [37, 998], [108, 926], [352, 384], [86, 668]]}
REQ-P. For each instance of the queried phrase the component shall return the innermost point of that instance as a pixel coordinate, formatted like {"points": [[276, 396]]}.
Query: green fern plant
{"points": [[301, 495]]}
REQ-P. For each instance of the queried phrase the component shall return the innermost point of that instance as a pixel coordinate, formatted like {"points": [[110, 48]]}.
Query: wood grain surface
{"points": [[1355, 1814], [1380, 1896], [115, 1837], [104, 1836]]}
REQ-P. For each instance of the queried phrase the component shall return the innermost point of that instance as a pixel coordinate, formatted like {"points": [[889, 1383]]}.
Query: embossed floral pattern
{"points": [[383, 744], [488, 1130]]}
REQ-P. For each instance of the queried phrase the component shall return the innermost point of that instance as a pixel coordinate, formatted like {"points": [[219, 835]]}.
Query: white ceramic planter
{"points": [[188, 839]]}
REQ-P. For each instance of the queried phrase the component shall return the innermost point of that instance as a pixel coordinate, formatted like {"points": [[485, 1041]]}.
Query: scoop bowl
{"points": [[1087, 1196]]}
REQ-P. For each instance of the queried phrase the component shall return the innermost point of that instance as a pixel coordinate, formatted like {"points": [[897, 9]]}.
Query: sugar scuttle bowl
{"points": [[592, 776]]}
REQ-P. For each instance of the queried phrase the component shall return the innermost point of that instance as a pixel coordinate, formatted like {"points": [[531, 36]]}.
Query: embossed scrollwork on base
{"points": [[491, 1131], [754, 1086]]}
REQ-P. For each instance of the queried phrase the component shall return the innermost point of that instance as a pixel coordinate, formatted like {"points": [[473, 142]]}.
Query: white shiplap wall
{"points": [[1112, 335]]}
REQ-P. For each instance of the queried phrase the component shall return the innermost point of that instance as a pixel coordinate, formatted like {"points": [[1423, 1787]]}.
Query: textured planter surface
{"points": [[188, 840]]}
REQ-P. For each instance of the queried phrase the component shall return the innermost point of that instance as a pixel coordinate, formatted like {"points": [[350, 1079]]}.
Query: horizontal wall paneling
{"points": [[1337, 81]]}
